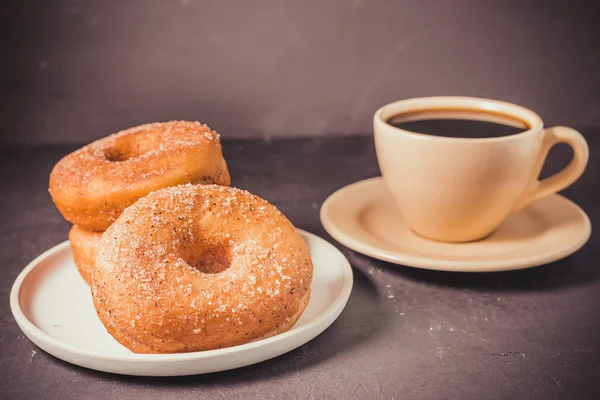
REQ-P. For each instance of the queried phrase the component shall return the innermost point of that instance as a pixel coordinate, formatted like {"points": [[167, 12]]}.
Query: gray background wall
{"points": [[73, 71]]}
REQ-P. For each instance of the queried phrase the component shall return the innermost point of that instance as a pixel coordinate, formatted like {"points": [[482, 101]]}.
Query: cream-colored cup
{"points": [[457, 190]]}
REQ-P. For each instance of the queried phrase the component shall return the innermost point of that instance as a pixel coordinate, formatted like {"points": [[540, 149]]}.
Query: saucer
{"points": [[363, 217], [53, 307]]}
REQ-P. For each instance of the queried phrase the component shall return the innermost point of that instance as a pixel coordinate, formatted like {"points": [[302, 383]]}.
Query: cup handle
{"points": [[564, 178]]}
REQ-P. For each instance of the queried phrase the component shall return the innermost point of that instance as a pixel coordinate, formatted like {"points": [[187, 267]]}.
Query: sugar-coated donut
{"points": [[85, 245], [93, 185], [192, 268]]}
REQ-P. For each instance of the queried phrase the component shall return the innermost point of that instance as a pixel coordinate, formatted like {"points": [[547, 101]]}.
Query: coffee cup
{"points": [[456, 189]]}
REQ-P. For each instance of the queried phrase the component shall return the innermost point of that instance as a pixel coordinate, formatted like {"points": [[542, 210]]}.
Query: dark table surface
{"points": [[524, 334]]}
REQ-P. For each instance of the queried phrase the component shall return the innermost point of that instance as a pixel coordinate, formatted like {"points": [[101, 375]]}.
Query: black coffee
{"points": [[475, 125]]}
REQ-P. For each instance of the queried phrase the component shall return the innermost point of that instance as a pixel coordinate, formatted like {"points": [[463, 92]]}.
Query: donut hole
{"points": [[213, 260], [114, 155], [122, 153], [124, 149]]}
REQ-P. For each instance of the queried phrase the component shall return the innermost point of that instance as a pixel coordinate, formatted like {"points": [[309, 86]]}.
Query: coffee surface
{"points": [[462, 128]]}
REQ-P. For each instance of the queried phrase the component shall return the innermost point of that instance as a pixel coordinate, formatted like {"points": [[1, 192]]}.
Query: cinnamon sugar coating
{"points": [[191, 268], [93, 185]]}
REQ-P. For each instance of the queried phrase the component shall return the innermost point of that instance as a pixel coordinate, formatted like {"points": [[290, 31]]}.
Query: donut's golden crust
{"points": [[85, 245], [93, 185], [192, 268]]}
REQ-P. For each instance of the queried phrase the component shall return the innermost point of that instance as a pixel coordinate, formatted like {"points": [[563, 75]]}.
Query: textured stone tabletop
{"points": [[405, 333]]}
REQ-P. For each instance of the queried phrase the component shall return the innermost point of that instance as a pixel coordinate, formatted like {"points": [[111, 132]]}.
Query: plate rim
{"points": [[473, 266], [29, 328]]}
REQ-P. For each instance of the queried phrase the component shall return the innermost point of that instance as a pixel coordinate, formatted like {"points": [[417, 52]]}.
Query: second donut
{"points": [[85, 245], [93, 185]]}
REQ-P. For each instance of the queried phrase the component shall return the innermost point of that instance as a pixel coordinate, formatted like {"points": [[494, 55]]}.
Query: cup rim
{"points": [[423, 104]]}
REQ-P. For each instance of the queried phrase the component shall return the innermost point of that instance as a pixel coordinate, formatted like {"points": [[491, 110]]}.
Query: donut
{"points": [[85, 246], [93, 185], [192, 268]]}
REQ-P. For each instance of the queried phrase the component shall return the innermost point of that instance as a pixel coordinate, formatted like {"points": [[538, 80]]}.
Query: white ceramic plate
{"points": [[53, 307]]}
